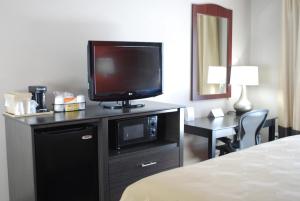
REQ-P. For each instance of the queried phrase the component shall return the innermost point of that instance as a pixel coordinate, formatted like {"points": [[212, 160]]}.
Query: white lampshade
{"points": [[244, 75], [216, 75]]}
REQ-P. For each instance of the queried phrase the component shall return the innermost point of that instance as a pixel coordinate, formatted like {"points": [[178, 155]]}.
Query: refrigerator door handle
{"points": [[86, 137]]}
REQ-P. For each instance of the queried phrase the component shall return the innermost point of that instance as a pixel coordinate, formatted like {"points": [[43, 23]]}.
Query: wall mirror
{"points": [[211, 51]]}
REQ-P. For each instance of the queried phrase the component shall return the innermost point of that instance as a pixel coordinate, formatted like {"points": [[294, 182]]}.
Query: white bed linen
{"points": [[267, 172]]}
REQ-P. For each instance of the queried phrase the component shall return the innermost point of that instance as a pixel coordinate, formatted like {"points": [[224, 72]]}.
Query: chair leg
{"points": [[258, 139]]}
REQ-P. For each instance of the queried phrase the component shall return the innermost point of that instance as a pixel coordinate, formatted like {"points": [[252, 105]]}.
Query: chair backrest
{"points": [[250, 125]]}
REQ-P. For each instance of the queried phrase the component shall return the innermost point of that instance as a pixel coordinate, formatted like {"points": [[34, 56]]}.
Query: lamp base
{"points": [[241, 112], [243, 105]]}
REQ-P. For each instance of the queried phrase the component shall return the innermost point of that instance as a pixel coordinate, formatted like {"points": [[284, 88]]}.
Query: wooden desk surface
{"points": [[213, 128], [228, 121]]}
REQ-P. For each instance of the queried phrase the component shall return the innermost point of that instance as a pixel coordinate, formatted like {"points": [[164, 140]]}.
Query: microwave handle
{"points": [[143, 165]]}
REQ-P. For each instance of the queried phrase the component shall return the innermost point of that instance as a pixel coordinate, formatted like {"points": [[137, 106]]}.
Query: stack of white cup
{"points": [[81, 101], [59, 104]]}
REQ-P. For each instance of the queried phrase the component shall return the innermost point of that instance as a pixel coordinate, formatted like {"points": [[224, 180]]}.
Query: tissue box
{"points": [[16, 103]]}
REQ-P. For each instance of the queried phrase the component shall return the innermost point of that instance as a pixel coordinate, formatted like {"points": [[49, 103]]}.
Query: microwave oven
{"points": [[126, 132]]}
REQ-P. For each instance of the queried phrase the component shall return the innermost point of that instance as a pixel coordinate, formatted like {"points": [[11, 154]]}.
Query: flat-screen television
{"points": [[120, 71]]}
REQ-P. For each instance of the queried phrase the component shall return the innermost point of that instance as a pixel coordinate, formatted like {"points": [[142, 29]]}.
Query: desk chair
{"points": [[248, 132]]}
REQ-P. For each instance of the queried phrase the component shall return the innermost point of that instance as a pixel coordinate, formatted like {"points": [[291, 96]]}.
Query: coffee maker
{"points": [[38, 94]]}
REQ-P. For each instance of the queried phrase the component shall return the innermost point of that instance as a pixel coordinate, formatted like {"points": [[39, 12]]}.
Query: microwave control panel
{"points": [[152, 125]]}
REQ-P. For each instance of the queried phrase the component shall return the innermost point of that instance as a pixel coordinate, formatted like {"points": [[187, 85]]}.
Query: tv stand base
{"points": [[125, 105]]}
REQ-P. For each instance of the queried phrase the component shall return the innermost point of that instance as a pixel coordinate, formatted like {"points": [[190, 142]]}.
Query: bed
{"points": [[269, 171]]}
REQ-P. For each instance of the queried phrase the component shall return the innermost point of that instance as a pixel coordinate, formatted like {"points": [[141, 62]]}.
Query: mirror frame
{"points": [[218, 11]]}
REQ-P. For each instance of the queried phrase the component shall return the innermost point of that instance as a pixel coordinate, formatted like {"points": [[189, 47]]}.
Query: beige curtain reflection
{"points": [[208, 51], [289, 114]]}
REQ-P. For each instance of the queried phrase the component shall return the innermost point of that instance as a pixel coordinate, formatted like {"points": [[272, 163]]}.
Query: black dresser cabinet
{"points": [[69, 157]]}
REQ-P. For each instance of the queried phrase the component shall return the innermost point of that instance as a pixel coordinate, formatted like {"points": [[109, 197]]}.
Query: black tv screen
{"points": [[121, 71]]}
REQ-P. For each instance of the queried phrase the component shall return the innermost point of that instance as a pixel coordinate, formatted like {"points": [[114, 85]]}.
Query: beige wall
{"points": [[44, 42], [265, 52]]}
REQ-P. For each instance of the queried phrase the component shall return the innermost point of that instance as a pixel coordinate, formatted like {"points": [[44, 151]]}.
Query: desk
{"points": [[221, 127]]}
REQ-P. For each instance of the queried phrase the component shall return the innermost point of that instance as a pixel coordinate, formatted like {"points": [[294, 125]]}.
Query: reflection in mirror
{"points": [[216, 79], [212, 54]]}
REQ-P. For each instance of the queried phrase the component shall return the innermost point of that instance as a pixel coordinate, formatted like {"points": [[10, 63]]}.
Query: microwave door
{"points": [[132, 134]]}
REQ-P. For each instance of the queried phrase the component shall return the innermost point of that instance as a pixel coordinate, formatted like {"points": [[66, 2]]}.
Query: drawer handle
{"points": [[148, 164], [87, 137]]}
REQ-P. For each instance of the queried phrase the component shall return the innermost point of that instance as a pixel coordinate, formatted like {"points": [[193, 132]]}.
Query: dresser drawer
{"points": [[126, 170]]}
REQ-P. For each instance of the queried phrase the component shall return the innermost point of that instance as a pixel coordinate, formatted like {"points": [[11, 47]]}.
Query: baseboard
{"points": [[286, 131]]}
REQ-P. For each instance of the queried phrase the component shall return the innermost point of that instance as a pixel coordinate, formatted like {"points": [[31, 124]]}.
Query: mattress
{"points": [[267, 172]]}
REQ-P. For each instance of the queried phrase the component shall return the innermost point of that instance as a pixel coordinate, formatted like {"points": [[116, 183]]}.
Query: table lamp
{"points": [[243, 76], [217, 75]]}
